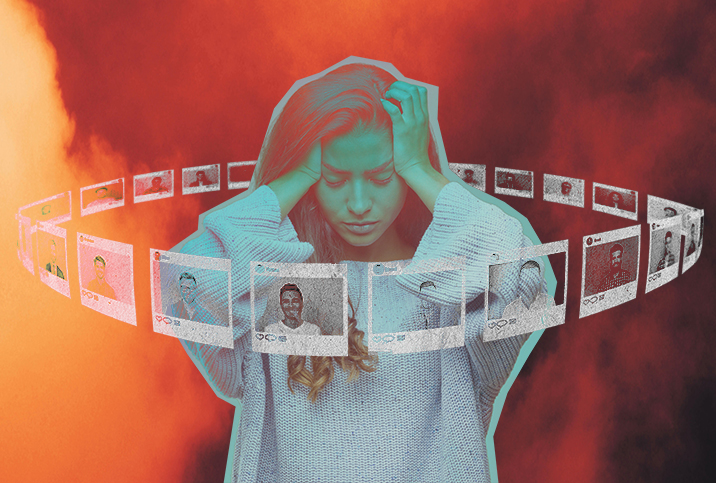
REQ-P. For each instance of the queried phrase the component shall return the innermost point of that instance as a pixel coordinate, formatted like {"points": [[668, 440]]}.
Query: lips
{"points": [[361, 228]]}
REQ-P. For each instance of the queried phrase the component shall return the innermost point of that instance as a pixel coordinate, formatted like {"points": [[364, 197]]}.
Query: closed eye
{"points": [[382, 181], [334, 184]]}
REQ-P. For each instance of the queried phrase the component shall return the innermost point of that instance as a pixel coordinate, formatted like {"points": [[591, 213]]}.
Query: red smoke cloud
{"points": [[622, 93]]}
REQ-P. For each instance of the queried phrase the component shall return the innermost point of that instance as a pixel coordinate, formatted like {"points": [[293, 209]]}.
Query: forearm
{"points": [[426, 182], [289, 189]]}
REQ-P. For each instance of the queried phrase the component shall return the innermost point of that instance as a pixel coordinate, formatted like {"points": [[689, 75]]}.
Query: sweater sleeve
{"points": [[247, 230]]}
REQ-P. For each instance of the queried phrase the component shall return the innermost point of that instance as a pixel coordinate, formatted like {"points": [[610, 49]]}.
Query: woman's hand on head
{"points": [[410, 127], [291, 187], [310, 167], [410, 141]]}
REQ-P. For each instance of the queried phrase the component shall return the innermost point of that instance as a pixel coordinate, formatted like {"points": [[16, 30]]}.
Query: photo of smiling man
{"points": [[292, 307], [98, 284]]}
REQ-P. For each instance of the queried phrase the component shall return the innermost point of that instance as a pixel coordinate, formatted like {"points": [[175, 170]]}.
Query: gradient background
{"points": [[617, 92]]}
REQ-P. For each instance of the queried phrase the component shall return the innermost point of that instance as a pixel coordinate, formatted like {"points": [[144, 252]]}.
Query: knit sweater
{"points": [[420, 417]]}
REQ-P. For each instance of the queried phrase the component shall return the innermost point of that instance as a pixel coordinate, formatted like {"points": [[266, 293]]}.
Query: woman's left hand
{"points": [[410, 141], [410, 127]]}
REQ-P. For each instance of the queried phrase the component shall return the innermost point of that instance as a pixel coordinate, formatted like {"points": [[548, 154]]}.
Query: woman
{"points": [[349, 172]]}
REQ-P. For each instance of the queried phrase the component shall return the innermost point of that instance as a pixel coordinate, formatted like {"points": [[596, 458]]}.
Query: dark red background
{"points": [[617, 92]]}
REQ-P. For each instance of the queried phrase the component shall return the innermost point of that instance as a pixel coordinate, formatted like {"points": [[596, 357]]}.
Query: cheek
{"points": [[328, 201], [393, 198]]}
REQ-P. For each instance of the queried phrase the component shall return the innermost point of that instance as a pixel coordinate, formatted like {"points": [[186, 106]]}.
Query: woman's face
{"points": [[359, 191]]}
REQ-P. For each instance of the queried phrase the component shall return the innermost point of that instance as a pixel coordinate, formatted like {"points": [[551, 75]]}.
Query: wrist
{"points": [[426, 181], [290, 188]]}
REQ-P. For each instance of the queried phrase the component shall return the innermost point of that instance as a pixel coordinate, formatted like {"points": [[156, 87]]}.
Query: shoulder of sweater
{"points": [[456, 206]]}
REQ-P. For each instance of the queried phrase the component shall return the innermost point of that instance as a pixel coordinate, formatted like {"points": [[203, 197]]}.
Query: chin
{"points": [[356, 241]]}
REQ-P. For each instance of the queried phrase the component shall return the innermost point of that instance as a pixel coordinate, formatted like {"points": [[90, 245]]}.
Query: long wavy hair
{"points": [[342, 101]]}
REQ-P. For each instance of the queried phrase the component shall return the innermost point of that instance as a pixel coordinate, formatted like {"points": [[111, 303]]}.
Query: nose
{"points": [[359, 198]]}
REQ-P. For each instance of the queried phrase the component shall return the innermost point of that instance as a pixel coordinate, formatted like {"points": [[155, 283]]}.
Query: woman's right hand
{"points": [[291, 187]]}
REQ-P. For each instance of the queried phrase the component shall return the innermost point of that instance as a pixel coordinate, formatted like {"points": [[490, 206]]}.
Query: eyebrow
{"points": [[375, 170]]}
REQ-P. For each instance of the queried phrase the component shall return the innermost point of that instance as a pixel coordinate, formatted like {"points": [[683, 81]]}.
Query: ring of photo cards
{"points": [[52, 257], [191, 297], [514, 182], [610, 269], [522, 313], [425, 324], [615, 201], [106, 275], [299, 308], [693, 229]]}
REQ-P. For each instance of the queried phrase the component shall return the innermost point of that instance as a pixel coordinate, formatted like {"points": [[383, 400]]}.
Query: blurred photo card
{"points": [[101, 196], [514, 182], [560, 189], [664, 248], [52, 257], [154, 186], [473, 174], [106, 276], [615, 201], [240, 173], [693, 223], [200, 179], [659, 208], [25, 250], [191, 297], [55, 209]]}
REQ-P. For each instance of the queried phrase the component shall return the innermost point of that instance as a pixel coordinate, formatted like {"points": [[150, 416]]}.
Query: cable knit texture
{"points": [[421, 417]]}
